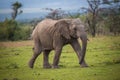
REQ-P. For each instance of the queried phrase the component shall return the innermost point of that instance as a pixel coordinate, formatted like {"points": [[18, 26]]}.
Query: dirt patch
{"points": [[16, 43]]}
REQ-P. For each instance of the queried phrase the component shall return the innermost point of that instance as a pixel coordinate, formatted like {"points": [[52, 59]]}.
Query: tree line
{"points": [[101, 17]]}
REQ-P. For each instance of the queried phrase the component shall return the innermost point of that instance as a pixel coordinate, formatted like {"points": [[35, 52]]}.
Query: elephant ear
{"points": [[63, 28]]}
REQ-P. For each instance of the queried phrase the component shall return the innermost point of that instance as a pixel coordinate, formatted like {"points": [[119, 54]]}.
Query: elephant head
{"points": [[74, 28], [78, 30]]}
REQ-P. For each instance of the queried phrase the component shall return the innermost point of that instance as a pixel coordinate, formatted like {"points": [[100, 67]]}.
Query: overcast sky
{"points": [[37, 7], [34, 6]]}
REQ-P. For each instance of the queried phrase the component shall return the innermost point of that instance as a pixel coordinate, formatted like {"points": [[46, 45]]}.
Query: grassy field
{"points": [[103, 58]]}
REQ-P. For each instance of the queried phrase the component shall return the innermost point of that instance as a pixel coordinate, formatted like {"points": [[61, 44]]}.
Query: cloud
{"points": [[38, 7], [33, 10], [29, 7], [5, 11], [25, 10], [38, 10], [53, 4]]}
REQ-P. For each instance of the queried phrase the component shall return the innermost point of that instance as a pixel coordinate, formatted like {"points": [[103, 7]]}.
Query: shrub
{"points": [[22, 33], [7, 29], [11, 30]]}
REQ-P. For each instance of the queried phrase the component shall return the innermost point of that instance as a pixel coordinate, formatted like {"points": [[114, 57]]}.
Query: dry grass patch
{"points": [[16, 43]]}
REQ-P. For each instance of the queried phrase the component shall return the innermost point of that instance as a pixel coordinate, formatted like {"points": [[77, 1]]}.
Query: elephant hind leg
{"points": [[37, 51]]}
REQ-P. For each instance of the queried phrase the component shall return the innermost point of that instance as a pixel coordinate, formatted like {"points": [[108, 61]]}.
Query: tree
{"points": [[113, 15], [15, 7], [8, 28], [55, 13], [92, 15], [74, 14]]}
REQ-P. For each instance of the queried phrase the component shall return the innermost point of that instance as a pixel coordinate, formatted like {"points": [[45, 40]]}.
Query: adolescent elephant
{"points": [[53, 35]]}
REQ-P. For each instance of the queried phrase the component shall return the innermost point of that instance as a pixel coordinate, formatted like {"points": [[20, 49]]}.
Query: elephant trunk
{"points": [[84, 39]]}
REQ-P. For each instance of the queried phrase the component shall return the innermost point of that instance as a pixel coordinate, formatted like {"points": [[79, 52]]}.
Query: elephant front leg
{"points": [[57, 57], [46, 59], [77, 48], [83, 64]]}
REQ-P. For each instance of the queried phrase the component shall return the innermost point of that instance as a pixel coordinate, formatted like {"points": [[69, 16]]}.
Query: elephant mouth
{"points": [[74, 36]]}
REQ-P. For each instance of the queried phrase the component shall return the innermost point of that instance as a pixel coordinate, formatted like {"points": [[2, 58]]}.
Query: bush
{"points": [[22, 33], [3, 32], [11, 30], [7, 29]]}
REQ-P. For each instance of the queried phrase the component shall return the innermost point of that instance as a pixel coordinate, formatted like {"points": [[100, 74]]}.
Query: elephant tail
{"points": [[34, 33]]}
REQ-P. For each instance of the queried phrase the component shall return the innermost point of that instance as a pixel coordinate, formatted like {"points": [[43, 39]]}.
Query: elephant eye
{"points": [[75, 28]]}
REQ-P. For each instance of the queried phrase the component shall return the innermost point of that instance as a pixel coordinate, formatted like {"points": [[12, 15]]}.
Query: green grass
{"points": [[103, 58]]}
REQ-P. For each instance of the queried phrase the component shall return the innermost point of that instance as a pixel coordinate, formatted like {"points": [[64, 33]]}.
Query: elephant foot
{"points": [[83, 65], [30, 64], [47, 66], [55, 67]]}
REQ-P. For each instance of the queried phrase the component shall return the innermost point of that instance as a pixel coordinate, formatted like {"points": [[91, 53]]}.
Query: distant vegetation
{"points": [[98, 20], [12, 30], [15, 7]]}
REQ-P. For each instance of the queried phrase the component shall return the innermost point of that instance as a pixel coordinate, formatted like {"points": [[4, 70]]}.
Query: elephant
{"points": [[53, 35]]}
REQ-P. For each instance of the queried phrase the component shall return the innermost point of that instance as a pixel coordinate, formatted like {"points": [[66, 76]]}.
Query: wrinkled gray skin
{"points": [[53, 35]]}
